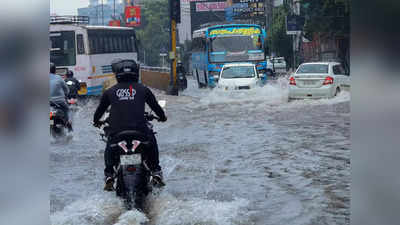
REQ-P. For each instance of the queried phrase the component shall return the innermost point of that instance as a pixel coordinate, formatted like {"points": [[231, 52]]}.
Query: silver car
{"points": [[318, 80]]}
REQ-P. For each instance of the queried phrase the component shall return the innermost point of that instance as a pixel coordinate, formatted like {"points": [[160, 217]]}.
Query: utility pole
{"points": [[102, 12], [175, 17]]}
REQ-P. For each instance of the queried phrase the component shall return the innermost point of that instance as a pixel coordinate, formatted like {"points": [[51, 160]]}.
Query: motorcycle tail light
{"points": [[122, 144], [71, 101], [135, 144]]}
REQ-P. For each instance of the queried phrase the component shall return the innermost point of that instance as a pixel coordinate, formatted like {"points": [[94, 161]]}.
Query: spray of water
{"points": [[98, 209]]}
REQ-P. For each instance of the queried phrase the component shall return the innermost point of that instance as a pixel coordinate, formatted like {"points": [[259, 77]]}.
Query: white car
{"points": [[318, 80], [237, 76]]}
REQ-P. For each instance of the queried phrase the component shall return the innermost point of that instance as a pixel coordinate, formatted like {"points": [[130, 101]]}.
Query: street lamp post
{"points": [[102, 12]]}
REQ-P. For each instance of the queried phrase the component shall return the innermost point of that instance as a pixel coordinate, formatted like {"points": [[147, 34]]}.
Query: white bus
{"points": [[89, 50]]}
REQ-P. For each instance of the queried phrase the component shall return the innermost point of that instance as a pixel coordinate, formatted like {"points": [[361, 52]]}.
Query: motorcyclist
{"points": [[180, 68], [58, 93], [74, 86], [127, 100]]}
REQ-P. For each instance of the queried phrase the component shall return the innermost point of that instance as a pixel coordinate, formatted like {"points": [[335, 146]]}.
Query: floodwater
{"points": [[229, 158]]}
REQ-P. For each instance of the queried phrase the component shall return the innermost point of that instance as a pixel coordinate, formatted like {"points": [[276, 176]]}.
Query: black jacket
{"points": [[127, 102], [73, 89]]}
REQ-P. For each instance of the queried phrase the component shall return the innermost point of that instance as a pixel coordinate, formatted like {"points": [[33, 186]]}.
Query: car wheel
{"points": [[337, 91]]}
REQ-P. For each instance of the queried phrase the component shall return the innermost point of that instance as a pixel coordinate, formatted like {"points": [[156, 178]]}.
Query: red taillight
{"points": [[51, 115], [328, 80], [292, 81]]}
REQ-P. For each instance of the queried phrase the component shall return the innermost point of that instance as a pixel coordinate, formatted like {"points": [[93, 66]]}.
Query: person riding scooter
{"points": [[127, 100]]}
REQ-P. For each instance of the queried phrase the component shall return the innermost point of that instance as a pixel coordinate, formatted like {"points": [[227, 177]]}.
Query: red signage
{"points": [[132, 16], [114, 23]]}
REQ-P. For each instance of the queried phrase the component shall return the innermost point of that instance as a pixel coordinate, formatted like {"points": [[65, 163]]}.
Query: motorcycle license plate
{"points": [[51, 122], [133, 159]]}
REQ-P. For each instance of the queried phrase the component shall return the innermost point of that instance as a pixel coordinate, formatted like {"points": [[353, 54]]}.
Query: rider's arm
{"points": [[104, 103], [64, 86], [152, 102]]}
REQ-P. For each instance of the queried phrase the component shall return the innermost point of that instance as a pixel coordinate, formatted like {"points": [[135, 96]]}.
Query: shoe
{"points": [[109, 185], [69, 127]]}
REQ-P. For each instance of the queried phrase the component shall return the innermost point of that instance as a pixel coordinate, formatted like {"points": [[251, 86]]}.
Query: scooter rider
{"points": [[58, 93], [127, 99], [74, 87]]}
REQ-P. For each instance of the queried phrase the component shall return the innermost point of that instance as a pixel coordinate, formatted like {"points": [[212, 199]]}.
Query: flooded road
{"points": [[244, 157]]}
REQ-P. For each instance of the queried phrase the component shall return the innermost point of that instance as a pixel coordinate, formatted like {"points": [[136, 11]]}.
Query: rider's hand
{"points": [[97, 124], [163, 119]]}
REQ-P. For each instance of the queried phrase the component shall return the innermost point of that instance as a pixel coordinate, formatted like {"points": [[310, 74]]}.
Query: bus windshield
{"points": [[234, 44], [236, 48], [62, 52]]}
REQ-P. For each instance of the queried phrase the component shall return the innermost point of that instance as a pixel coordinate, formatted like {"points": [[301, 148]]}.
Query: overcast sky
{"points": [[67, 7]]}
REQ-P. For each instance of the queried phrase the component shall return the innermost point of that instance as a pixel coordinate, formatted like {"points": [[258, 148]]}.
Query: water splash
{"points": [[98, 209], [132, 217], [165, 209]]}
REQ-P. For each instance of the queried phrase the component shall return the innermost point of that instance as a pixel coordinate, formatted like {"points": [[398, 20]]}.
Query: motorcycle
{"points": [[58, 121], [182, 81], [133, 177]]}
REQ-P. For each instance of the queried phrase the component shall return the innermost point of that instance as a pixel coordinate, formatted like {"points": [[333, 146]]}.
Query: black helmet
{"points": [[125, 70], [52, 68], [70, 74]]}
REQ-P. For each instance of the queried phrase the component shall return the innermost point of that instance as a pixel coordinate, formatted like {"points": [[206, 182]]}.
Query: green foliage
{"points": [[153, 33], [326, 16], [278, 41]]}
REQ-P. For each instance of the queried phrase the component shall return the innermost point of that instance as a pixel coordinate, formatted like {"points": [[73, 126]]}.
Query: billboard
{"points": [[248, 9], [207, 11], [210, 6], [132, 16]]}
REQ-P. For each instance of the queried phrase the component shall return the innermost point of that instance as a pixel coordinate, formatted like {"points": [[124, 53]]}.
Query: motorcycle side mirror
{"points": [[162, 103]]}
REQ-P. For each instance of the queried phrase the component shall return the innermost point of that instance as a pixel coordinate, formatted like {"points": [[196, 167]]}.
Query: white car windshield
{"points": [[313, 68], [238, 72]]}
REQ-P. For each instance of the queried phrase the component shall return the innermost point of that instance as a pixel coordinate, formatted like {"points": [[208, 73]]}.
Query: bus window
{"points": [[80, 44], [128, 44], [115, 43], [106, 45], [63, 51]]}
